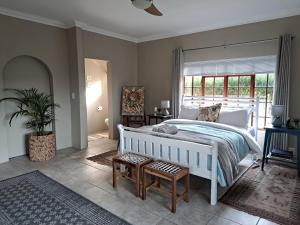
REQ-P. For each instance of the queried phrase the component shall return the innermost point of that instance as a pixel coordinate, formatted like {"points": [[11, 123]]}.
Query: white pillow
{"points": [[188, 112], [237, 118]]}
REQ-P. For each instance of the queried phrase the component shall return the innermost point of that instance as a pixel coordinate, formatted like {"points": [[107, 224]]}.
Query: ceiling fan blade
{"points": [[153, 11]]}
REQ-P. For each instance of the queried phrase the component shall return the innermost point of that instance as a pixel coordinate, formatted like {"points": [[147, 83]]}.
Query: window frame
{"points": [[252, 86]]}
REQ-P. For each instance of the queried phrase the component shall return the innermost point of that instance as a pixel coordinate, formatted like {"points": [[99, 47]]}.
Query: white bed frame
{"points": [[192, 155]]}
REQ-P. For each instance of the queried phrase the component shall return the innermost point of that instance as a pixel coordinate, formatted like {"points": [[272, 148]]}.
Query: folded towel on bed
{"points": [[165, 128]]}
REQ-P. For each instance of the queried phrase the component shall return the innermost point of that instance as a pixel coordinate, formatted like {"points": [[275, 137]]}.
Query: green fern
{"points": [[34, 105]]}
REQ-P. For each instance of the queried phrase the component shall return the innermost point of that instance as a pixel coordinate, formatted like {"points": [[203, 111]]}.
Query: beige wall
{"points": [[96, 95], [122, 57], [63, 51], [49, 44], [155, 57]]}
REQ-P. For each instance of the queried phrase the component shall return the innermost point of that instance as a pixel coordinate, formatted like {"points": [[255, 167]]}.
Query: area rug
{"points": [[104, 158], [273, 194], [34, 198]]}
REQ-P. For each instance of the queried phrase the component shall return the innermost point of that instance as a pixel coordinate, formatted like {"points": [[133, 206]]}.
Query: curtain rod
{"points": [[233, 44]]}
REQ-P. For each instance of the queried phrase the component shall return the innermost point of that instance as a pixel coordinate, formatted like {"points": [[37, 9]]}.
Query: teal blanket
{"points": [[232, 149]]}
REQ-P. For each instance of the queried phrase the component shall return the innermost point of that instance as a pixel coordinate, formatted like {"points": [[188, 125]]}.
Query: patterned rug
{"points": [[104, 158], [273, 194], [34, 198]]}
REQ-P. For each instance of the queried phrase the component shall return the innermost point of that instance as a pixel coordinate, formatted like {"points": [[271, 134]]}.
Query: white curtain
{"points": [[240, 66], [177, 80], [282, 85]]}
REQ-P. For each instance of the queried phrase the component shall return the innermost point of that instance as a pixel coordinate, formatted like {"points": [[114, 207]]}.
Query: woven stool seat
{"points": [[165, 167], [133, 158]]}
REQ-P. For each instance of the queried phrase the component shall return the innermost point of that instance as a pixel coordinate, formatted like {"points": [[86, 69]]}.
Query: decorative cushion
{"points": [[188, 112], [237, 118], [210, 113]]}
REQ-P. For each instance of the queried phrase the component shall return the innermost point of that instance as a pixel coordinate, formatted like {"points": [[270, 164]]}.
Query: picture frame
{"points": [[133, 101]]}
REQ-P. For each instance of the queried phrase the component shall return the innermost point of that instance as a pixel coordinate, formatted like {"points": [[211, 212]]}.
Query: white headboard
{"points": [[227, 102]]}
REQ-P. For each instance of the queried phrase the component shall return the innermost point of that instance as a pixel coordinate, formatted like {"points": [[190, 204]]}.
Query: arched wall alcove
{"points": [[23, 72]]}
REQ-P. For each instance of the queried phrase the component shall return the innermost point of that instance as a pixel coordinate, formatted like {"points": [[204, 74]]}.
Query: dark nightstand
{"points": [[158, 117], [283, 130]]}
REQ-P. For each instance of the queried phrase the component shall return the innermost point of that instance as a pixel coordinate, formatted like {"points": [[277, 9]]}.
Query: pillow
{"points": [[210, 113], [237, 118], [189, 113]]}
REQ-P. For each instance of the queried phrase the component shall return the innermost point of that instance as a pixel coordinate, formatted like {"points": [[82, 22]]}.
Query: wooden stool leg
{"points": [[144, 191], [114, 173], [187, 188], [137, 184], [174, 195], [158, 182]]}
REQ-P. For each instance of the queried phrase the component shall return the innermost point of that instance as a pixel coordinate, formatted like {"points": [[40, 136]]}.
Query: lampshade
{"points": [[277, 110], [142, 4], [165, 104]]}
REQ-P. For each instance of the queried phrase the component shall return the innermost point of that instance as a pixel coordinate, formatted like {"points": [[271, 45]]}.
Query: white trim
{"points": [[97, 30], [31, 17]]}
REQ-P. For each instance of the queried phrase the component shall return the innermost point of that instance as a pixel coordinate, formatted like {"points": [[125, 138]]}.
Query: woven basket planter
{"points": [[42, 148]]}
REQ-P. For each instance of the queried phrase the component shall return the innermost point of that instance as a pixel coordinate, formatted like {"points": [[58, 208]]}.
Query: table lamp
{"points": [[165, 105], [277, 112]]}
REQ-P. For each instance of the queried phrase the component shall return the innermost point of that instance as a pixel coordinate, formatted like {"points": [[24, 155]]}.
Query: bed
{"points": [[210, 150]]}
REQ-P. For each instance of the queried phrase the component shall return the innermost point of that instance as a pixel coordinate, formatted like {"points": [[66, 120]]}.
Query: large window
{"points": [[251, 85]]}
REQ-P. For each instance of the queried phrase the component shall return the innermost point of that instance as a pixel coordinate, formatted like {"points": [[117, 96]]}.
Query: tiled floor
{"points": [[93, 181]]}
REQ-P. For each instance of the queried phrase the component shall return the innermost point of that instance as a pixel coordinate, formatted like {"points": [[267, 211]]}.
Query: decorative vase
{"points": [[42, 148]]}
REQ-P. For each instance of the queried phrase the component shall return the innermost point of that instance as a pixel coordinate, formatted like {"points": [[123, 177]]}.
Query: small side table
{"points": [[158, 117], [284, 130]]}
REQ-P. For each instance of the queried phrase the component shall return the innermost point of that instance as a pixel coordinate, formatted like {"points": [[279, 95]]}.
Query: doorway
{"points": [[96, 74]]}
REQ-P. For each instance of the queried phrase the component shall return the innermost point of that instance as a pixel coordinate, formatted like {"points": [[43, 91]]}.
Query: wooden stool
{"points": [[167, 171], [131, 160]]}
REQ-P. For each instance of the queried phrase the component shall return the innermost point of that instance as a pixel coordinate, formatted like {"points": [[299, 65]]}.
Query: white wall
{"points": [[22, 72], [96, 94]]}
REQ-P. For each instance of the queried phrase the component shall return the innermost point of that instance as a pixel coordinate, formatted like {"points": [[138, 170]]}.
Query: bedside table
{"points": [[283, 130], [158, 117]]}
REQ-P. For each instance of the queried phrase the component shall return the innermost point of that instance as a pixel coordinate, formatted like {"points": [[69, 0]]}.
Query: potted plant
{"points": [[39, 109]]}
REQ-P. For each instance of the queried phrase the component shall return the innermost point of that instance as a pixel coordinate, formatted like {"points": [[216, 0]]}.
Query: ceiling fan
{"points": [[147, 5]]}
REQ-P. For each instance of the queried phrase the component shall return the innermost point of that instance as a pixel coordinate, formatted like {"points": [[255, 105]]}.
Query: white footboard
{"points": [[195, 156]]}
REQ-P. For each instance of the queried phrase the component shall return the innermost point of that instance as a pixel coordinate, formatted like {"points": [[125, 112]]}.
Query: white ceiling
{"points": [[120, 19]]}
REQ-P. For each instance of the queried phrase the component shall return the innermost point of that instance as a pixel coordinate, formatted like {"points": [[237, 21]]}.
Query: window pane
{"points": [[270, 94], [219, 82], [261, 122], [197, 91], [269, 109], [208, 91], [262, 109], [197, 81], [271, 79], [261, 80], [233, 81], [245, 81], [233, 91], [188, 81], [188, 91], [260, 92], [245, 91], [219, 91], [209, 81]]}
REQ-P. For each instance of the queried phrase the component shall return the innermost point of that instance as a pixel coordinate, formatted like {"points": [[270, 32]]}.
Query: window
{"points": [[251, 85]]}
